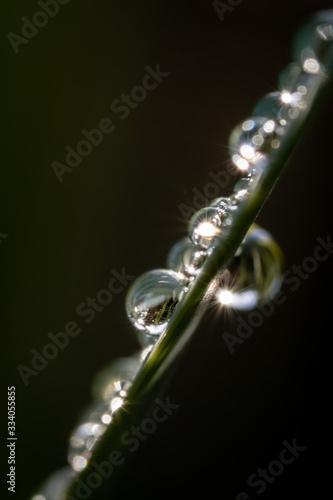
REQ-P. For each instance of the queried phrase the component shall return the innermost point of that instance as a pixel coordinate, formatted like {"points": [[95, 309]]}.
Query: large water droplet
{"points": [[152, 299], [56, 485], [252, 141], [186, 258], [312, 42], [205, 226], [116, 379], [255, 274]]}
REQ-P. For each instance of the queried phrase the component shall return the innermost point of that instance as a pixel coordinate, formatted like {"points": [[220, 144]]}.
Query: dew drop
{"points": [[254, 274], [56, 485], [220, 203], [151, 300], [205, 226], [298, 87], [92, 425], [186, 258], [252, 141], [279, 106], [116, 379], [312, 42]]}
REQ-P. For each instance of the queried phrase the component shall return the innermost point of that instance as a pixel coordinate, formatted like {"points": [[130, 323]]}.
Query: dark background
{"points": [[120, 208]]}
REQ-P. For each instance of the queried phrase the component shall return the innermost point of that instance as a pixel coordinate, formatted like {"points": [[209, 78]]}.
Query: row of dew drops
{"points": [[255, 273]]}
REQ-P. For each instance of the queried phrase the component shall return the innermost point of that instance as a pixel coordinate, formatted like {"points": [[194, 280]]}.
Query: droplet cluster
{"points": [[253, 275]]}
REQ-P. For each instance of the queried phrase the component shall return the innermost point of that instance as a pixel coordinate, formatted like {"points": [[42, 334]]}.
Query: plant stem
{"points": [[186, 316]]}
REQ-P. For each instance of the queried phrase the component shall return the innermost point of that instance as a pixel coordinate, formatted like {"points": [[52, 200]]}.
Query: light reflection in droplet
{"points": [[225, 297], [116, 403], [240, 162], [205, 225], [79, 463], [311, 66], [151, 301]]}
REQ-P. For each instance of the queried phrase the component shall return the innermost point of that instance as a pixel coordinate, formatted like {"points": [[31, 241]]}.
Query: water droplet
{"points": [[220, 203], [116, 379], [254, 275], [243, 184], [205, 226], [298, 86], [251, 141], [186, 258], [281, 107], [152, 299], [56, 485], [312, 42], [83, 440]]}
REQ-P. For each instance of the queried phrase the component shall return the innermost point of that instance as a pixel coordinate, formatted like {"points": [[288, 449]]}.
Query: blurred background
{"points": [[120, 208]]}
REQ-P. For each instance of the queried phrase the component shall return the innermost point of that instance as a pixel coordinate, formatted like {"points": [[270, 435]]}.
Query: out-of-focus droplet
{"points": [[93, 424], [254, 275], [204, 226], [220, 203], [56, 485], [116, 379], [241, 190], [186, 258], [151, 301], [252, 141], [313, 41], [298, 87], [280, 106], [244, 183]]}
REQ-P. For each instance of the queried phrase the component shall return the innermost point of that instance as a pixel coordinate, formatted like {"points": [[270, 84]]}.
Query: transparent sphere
{"points": [[312, 42], [186, 258], [255, 273], [280, 106], [204, 226], [220, 203], [241, 190], [152, 299], [116, 379], [56, 485], [93, 424], [252, 141], [298, 87]]}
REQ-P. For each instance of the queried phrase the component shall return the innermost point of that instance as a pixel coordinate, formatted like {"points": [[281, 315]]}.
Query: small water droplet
{"points": [[312, 42], [279, 106], [92, 425], [56, 485], [205, 226], [252, 141], [244, 183], [220, 203], [116, 378], [186, 258], [254, 274], [299, 87], [151, 301]]}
